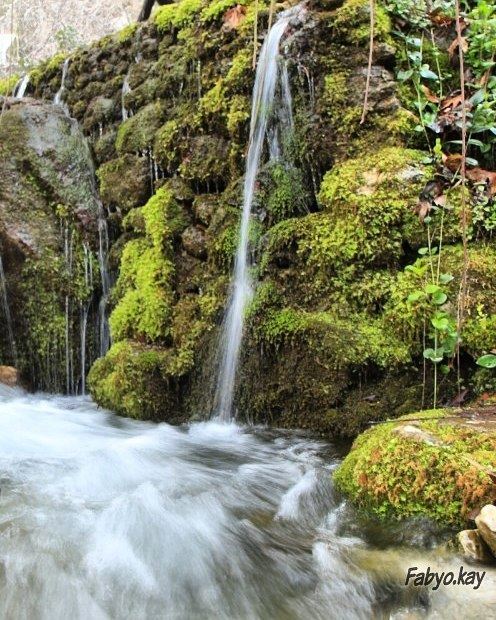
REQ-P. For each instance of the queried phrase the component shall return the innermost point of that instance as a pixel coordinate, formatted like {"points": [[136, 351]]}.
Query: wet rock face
{"points": [[48, 237], [45, 161]]}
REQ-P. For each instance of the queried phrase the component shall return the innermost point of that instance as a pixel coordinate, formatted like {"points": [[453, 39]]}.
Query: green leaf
{"points": [[423, 251], [487, 361], [404, 75], [444, 278], [434, 355], [430, 289], [439, 298], [441, 323], [427, 73], [415, 296]]}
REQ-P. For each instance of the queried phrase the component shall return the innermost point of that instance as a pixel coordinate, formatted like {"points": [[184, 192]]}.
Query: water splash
{"points": [[262, 102], [57, 100], [21, 87], [103, 250], [7, 314]]}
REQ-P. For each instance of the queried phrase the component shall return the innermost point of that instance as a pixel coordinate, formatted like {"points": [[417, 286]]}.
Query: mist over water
{"points": [[104, 517]]}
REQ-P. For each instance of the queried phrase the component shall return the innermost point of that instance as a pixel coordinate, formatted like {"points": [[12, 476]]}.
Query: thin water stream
{"points": [[108, 518], [267, 75]]}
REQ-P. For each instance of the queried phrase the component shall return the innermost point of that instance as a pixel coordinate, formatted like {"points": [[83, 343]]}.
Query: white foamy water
{"points": [[104, 517]]}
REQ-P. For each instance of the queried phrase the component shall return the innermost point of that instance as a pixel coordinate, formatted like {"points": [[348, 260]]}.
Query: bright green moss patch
{"points": [[127, 33], [351, 22], [177, 15], [7, 84], [145, 285], [393, 471], [130, 380]]}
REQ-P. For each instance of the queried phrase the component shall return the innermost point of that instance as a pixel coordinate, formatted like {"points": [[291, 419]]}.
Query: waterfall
{"points": [[103, 248], [126, 89], [6, 312], [58, 96], [21, 86], [266, 79]]}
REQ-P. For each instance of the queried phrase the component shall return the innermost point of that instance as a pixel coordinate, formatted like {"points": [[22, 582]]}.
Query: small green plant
{"points": [[433, 298]]}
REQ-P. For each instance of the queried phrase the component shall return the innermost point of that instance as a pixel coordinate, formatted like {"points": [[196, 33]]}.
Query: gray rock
{"points": [[194, 242], [471, 545], [486, 524]]}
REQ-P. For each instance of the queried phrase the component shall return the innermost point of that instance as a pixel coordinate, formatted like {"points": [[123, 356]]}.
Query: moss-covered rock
{"points": [[125, 182], [431, 464], [48, 243]]}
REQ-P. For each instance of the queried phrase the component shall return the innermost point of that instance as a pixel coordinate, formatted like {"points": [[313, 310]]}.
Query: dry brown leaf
{"points": [[479, 175], [234, 16], [440, 201], [448, 103], [438, 18], [454, 46], [452, 161], [430, 96], [422, 209]]}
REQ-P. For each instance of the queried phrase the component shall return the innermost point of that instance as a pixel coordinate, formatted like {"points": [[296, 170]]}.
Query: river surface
{"points": [[105, 517]]}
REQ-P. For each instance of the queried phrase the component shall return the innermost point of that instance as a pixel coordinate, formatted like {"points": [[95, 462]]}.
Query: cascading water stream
{"points": [[103, 249], [57, 100], [263, 97], [126, 89], [21, 87], [6, 313]]}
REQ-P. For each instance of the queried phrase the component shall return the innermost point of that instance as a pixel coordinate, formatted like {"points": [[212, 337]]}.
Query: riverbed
{"points": [[106, 517]]}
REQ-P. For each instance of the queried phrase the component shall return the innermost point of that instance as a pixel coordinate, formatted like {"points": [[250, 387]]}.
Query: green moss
{"points": [[351, 22], [7, 84], [377, 192], [238, 115], [130, 380], [177, 15], [393, 475], [165, 146], [357, 340], [216, 9], [145, 284], [127, 33], [406, 319], [241, 71], [124, 182], [138, 132], [336, 91], [286, 195]]}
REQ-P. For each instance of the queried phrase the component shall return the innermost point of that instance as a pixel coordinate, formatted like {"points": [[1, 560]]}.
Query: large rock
{"points": [[486, 524], [44, 163], [472, 546], [49, 211]]}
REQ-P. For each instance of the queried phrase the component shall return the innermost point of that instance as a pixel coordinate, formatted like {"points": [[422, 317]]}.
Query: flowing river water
{"points": [[105, 517]]}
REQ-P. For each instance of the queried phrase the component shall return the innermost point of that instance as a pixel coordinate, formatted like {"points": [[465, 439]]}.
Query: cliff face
{"points": [[49, 244], [166, 107]]}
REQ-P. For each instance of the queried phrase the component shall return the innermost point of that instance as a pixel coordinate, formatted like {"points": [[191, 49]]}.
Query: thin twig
{"points": [[255, 36], [369, 66], [463, 167]]}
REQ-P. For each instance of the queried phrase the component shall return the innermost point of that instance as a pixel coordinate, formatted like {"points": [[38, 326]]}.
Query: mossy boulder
{"points": [[125, 182], [137, 133], [433, 463], [48, 243]]}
